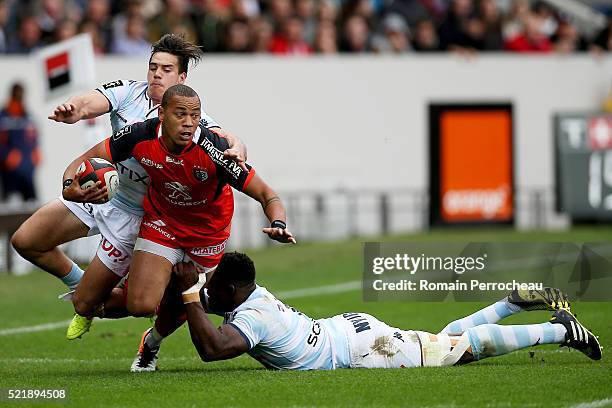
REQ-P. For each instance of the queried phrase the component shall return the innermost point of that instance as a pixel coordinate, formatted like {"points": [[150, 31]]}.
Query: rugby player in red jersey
{"points": [[189, 203]]}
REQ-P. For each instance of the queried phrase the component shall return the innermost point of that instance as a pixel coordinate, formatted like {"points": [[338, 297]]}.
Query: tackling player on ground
{"points": [[188, 208], [74, 215], [280, 337]]}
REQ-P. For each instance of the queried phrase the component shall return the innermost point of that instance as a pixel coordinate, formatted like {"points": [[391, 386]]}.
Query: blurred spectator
{"points": [[64, 30], [396, 36], [98, 14], [4, 14], [131, 8], [52, 13], [327, 11], [19, 153], [414, 11], [290, 41], [425, 37], [356, 35], [237, 36], [28, 37], [207, 17], [326, 41], [362, 8], [262, 34], [173, 18], [133, 42], [493, 39], [305, 10], [514, 22], [531, 39], [475, 35], [279, 11], [567, 39], [453, 30], [88, 27], [603, 40], [244, 9], [548, 20]]}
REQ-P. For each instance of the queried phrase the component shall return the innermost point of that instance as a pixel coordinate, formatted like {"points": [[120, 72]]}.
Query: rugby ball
{"points": [[96, 169]]}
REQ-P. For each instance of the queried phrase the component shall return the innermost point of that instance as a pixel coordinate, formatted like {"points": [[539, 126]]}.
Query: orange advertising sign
{"points": [[474, 158]]}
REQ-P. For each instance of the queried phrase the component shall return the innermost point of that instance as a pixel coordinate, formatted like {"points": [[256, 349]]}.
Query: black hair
{"points": [[178, 46], [178, 90], [236, 268], [17, 90]]}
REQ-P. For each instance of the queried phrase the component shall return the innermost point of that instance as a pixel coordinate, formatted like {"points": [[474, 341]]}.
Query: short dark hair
{"points": [[178, 46], [178, 90], [236, 268]]}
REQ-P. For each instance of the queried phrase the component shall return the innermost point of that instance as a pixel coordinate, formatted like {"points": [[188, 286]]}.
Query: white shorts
{"points": [[119, 230], [374, 344], [173, 255]]}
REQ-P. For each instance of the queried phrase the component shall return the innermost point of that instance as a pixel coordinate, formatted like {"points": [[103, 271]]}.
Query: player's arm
{"points": [[118, 147], [85, 106], [272, 207], [72, 190], [211, 343], [244, 179]]}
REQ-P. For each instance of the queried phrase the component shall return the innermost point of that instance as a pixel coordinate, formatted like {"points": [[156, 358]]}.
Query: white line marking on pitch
{"points": [[288, 294], [593, 404]]}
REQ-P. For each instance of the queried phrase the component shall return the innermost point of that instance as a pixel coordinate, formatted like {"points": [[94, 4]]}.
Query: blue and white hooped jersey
{"points": [[130, 103], [281, 337]]}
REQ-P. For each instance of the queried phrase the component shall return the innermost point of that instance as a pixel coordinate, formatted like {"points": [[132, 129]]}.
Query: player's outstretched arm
{"points": [[72, 190], [85, 106], [211, 343], [273, 208]]}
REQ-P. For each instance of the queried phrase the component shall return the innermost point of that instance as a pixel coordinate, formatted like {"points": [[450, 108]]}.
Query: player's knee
{"points": [[22, 243], [82, 307], [141, 307]]}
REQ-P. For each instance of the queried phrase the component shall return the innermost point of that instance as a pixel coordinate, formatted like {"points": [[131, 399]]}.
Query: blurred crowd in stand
{"points": [[302, 27]]}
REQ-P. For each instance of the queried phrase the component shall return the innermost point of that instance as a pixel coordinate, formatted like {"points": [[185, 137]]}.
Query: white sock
{"points": [[490, 314], [489, 340], [74, 277], [153, 339]]}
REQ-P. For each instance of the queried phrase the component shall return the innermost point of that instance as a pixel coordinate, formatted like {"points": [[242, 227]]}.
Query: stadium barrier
{"points": [[316, 216]]}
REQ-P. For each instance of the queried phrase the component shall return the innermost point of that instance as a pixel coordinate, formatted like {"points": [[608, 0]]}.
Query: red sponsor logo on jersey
{"points": [[209, 250], [114, 253]]}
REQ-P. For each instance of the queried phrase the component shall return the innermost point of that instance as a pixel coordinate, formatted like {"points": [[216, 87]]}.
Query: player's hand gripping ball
{"points": [[93, 170]]}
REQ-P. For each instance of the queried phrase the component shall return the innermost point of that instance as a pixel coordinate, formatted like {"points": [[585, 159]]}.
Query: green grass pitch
{"points": [[95, 370]]}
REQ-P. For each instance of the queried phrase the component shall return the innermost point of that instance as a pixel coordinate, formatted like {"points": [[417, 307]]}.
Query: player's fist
{"points": [[66, 113], [186, 275]]}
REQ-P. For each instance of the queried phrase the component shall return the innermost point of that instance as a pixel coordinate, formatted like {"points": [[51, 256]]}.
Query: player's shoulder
{"points": [[138, 130], [211, 141], [128, 89], [260, 300], [124, 83]]}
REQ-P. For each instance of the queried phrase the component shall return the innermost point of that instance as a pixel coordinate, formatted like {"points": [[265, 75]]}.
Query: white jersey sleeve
{"points": [[116, 92], [208, 122], [250, 324]]}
